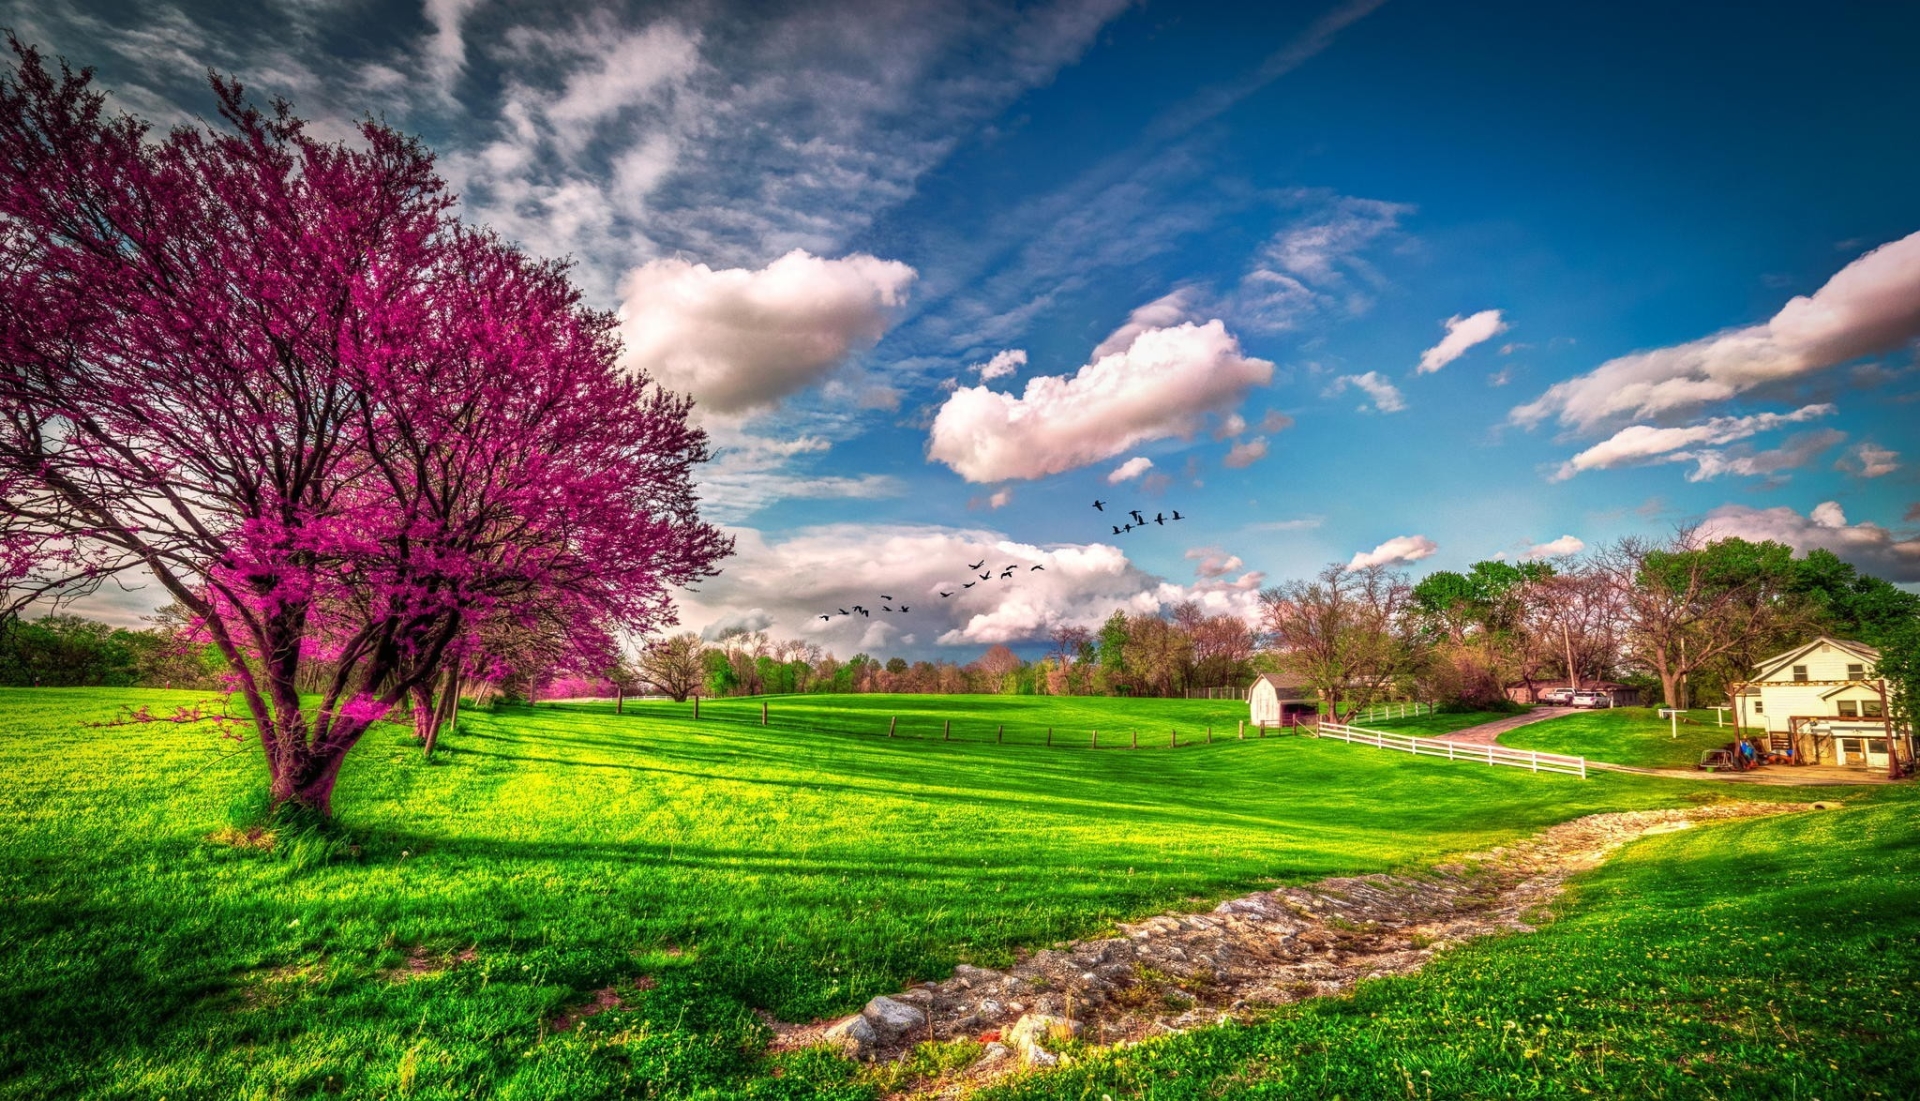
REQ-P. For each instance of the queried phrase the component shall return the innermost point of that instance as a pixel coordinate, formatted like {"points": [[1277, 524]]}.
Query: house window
{"points": [[1849, 709], [1872, 709], [1759, 707], [1799, 674], [1856, 672]]}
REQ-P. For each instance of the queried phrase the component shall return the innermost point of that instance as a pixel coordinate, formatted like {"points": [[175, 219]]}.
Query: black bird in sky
{"points": [[884, 596], [970, 584], [885, 608], [904, 608], [843, 611], [1030, 569], [1116, 529], [943, 596], [988, 576], [1129, 527], [978, 564], [1159, 517], [866, 613], [826, 617], [1137, 518], [1006, 575], [1101, 505], [1177, 516]]}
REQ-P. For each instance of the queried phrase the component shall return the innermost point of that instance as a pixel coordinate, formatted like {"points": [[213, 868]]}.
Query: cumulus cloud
{"points": [[789, 581], [1163, 384], [1401, 548], [1002, 364], [739, 340], [1214, 562], [1246, 453], [1462, 334], [1867, 459], [1871, 305], [1556, 548], [1275, 421], [1867, 545], [1129, 470], [1386, 397], [1641, 443]]}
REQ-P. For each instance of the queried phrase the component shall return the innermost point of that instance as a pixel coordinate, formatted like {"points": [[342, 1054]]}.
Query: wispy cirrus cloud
{"points": [[1386, 397], [1643, 443]]}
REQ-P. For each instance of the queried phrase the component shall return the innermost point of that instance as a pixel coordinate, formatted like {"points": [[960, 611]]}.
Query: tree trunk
{"points": [[443, 710], [307, 781], [425, 715]]}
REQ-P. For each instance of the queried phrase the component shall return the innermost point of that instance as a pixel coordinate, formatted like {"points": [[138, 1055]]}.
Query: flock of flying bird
{"points": [[1006, 573]]}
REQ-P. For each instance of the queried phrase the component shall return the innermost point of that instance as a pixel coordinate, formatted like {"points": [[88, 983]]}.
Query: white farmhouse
{"points": [[1826, 704]]}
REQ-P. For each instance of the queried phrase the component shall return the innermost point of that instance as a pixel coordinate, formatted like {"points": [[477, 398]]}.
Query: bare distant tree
{"points": [[1350, 634], [674, 665]]}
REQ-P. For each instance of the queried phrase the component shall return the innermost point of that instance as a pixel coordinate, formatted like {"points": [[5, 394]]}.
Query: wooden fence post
{"points": [[696, 707], [1209, 733], [1173, 739], [763, 712], [946, 730], [892, 722], [619, 700], [1096, 738], [1243, 730], [1049, 735], [999, 733], [1136, 738]]}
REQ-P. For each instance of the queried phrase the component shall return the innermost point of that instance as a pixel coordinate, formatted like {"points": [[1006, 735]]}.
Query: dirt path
{"points": [[1179, 971], [1489, 733]]}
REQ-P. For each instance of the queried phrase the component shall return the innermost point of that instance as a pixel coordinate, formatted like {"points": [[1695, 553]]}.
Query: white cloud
{"points": [[738, 340], [1001, 498], [1867, 545], [445, 48], [1796, 452], [1462, 334], [1871, 305], [1401, 548], [791, 580], [1164, 312], [1002, 364], [1214, 562], [1162, 384], [1867, 459], [1312, 266], [1386, 397], [1303, 523], [1246, 453], [1644, 442], [1556, 548], [1129, 470], [750, 472]]}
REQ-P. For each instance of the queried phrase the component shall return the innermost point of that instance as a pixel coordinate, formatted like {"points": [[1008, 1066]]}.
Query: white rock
{"points": [[854, 1036], [892, 1018]]}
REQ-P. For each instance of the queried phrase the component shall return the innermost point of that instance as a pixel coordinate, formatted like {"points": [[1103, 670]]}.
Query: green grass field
{"points": [[426, 946], [1624, 736]]}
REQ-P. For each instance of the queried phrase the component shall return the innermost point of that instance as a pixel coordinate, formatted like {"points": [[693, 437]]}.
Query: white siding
{"points": [[1263, 703]]}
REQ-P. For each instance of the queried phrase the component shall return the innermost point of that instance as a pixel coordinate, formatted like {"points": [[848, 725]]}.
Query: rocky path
{"points": [[1178, 971]]}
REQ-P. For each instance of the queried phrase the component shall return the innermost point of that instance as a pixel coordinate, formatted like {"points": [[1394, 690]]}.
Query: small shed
{"points": [[1280, 700]]}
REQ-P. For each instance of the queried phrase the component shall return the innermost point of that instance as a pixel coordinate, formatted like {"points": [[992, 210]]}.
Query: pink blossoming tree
{"points": [[337, 425]]}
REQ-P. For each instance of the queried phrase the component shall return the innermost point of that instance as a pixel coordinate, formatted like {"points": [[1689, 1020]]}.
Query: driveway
{"points": [[1489, 733]]}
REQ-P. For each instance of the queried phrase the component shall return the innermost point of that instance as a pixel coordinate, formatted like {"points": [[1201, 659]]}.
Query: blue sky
{"points": [[1387, 280]]}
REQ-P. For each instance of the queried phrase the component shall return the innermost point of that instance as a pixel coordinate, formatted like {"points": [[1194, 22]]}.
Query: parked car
{"points": [[1558, 697], [1586, 698]]}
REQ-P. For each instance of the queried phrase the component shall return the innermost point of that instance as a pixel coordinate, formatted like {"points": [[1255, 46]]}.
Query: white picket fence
{"points": [[1456, 751], [1405, 710]]}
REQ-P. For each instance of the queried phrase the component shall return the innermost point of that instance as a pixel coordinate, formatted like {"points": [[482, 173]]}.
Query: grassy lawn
{"points": [[1624, 736], [552, 852], [1434, 725], [1771, 958]]}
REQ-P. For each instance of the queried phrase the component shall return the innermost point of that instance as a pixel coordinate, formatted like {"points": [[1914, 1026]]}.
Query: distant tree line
{"points": [[68, 651]]}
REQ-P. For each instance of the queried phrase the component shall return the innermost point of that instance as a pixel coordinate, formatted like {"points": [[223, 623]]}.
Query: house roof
{"points": [[1832, 692], [1283, 680], [1769, 666]]}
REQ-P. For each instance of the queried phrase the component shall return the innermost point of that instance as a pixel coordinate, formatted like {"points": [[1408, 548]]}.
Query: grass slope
{"points": [[552, 852], [1624, 736], [1771, 958]]}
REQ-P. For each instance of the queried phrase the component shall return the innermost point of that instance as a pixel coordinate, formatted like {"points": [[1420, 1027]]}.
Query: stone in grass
{"points": [[854, 1036], [892, 1018], [1029, 1034]]}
